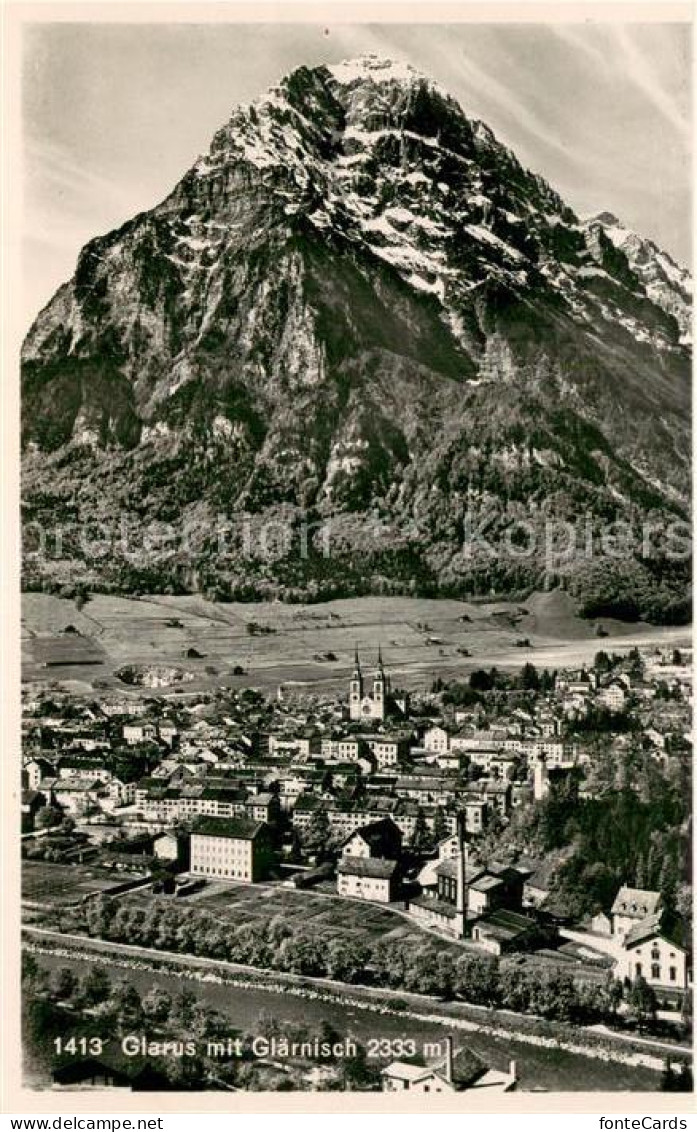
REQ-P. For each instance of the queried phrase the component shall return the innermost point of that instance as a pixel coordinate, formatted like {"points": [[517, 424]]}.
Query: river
{"points": [[538, 1068]]}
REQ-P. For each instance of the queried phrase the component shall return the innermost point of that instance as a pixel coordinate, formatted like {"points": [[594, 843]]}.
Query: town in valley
{"points": [[512, 843], [356, 663]]}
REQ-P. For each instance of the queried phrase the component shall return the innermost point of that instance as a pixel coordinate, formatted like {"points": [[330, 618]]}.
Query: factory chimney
{"points": [[461, 897]]}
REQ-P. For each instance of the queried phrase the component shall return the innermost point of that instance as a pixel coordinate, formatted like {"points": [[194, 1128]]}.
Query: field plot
{"points": [[331, 917], [56, 653], [563, 962], [310, 645], [53, 885]]}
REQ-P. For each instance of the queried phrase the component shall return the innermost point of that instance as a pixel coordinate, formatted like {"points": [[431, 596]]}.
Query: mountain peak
{"points": [[607, 219], [668, 284], [358, 299], [376, 68]]}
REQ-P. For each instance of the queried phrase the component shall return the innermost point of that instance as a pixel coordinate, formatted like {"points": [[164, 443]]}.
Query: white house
{"points": [[121, 792], [656, 949], [436, 739], [36, 770], [368, 867], [367, 878], [613, 697], [134, 733]]}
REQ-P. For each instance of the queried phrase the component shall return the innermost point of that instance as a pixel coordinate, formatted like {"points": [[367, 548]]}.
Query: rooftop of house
{"points": [[505, 925], [376, 867], [224, 794], [309, 803], [466, 1068], [239, 829], [661, 925], [495, 786], [381, 836], [506, 872], [406, 1071], [423, 773], [636, 903], [449, 868], [433, 904], [82, 762], [76, 785], [387, 737], [424, 782], [486, 883]]}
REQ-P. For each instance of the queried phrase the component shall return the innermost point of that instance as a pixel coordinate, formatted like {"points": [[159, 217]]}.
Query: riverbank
{"points": [[403, 1011]]}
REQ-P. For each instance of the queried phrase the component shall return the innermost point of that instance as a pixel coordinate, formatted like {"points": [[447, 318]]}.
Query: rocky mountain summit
{"points": [[667, 284], [358, 314]]}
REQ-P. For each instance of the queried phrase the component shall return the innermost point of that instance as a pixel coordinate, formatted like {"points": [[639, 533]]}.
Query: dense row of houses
{"points": [[373, 775]]}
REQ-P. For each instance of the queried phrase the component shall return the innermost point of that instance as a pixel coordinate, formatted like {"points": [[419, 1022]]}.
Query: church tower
{"points": [[369, 703], [379, 689], [356, 689]]}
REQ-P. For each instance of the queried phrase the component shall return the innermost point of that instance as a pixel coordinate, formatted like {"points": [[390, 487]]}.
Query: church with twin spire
{"points": [[374, 702]]}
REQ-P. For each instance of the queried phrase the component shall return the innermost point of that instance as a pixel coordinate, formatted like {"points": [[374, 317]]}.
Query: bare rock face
{"points": [[667, 284], [357, 308]]}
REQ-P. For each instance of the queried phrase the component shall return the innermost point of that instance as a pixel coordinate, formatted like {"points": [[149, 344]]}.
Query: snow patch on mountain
{"points": [[666, 283]]}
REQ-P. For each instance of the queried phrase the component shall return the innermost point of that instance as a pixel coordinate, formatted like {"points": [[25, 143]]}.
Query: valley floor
{"points": [[310, 645]]}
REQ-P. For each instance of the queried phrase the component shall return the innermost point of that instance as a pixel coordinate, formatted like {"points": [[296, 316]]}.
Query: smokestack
{"points": [[513, 1072], [461, 895], [449, 1059]]}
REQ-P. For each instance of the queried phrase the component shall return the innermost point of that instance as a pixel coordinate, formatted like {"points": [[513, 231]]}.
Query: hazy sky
{"points": [[115, 114]]}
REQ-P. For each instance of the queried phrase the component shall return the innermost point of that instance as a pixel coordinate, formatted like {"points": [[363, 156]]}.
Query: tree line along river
{"points": [[538, 1068]]}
